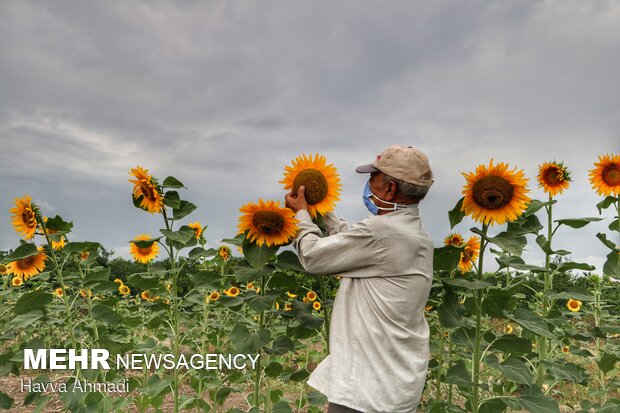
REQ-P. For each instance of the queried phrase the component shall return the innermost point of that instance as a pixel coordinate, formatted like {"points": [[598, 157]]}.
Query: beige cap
{"points": [[402, 162]]}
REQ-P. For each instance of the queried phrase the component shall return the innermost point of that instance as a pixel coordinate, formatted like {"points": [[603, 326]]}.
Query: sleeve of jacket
{"points": [[335, 224], [342, 252]]}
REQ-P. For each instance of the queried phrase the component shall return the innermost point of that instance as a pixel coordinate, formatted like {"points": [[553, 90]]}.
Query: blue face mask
{"points": [[372, 207]]}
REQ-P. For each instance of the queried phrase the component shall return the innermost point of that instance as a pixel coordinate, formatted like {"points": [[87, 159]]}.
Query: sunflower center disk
{"points": [[147, 191], [553, 176], [611, 175], [28, 217], [315, 183], [492, 192], [25, 263], [145, 251], [268, 222]]}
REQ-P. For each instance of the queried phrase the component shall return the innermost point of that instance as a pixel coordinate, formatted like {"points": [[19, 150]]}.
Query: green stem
{"points": [[258, 362], [543, 342], [475, 371]]}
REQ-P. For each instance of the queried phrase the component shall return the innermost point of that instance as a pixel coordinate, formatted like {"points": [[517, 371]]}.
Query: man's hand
{"points": [[297, 201]]}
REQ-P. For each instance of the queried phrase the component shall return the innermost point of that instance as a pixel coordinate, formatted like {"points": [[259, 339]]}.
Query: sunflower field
{"points": [[523, 337]]}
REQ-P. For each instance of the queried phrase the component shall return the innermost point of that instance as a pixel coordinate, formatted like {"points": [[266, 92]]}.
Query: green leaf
{"points": [[609, 244], [146, 243], [546, 247], [183, 236], [26, 319], [25, 250], [156, 386], [244, 272], [607, 362], [206, 279], [33, 300], [525, 225], [470, 285], [143, 282], [80, 247], [456, 215], [256, 255], [568, 372], [94, 277], [535, 205], [183, 210], [567, 266], [315, 398], [493, 405], [513, 344], [57, 224], [172, 199], [260, 303], [512, 369], [605, 203], [508, 242], [446, 258], [536, 402], [273, 369], [172, 182], [246, 342], [576, 293], [450, 311], [496, 301], [611, 268], [531, 321], [237, 241], [288, 260], [199, 252], [300, 375], [459, 375], [281, 407], [6, 401], [281, 345], [577, 222], [104, 313]]}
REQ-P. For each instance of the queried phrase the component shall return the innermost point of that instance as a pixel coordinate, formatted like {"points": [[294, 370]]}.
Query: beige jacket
{"points": [[379, 337]]}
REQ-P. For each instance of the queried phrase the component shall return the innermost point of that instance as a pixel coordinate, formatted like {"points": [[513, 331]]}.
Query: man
{"points": [[379, 337]]}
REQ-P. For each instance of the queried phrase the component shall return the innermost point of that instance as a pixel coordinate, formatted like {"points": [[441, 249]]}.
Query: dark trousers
{"points": [[338, 408]]}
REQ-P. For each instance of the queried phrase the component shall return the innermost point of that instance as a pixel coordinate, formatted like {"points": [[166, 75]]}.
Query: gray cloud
{"points": [[223, 94]]}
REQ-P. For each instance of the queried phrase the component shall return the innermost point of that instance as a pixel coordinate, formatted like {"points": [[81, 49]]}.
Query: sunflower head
{"points": [[3, 270], [565, 349], [553, 177], [454, 239], [321, 182], [146, 190], [288, 307], [493, 194], [214, 296], [267, 223], [165, 301], [316, 305], [84, 255], [146, 296], [59, 292], [605, 177], [509, 329], [29, 266], [428, 308], [16, 281], [84, 293], [291, 295], [24, 217], [197, 227], [469, 254], [123, 289], [311, 295], [573, 305], [144, 255], [232, 292], [223, 252]]}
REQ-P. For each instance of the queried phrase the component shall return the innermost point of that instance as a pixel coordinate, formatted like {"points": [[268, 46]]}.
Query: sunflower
{"points": [[573, 305], [144, 255], [59, 292], [232, 292], [291, 295], [553, 177], [197, 227], [123, 289], [146, 186], [446, 333], [454, 239], [509, 329], [24, 217], [118, 281], [214, 296], [470, 254], [316, 305], [3, 270], [565, 349], [146, 296], [27, 267], [494, 194], [311, 295], [83, 293], [305, 300], [288, 307], [223, 252], [84, 255], [605, 177], [321, 182], [267, 223], [60, 244], [16, 281], [428, 308], [277, 305], [165, 301]]}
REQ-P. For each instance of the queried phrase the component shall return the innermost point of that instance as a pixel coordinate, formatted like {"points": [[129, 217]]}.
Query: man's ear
{"points": [[390, 191]]}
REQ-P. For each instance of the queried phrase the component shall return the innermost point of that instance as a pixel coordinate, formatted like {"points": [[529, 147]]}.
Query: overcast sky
{"points": [[223, 94]]}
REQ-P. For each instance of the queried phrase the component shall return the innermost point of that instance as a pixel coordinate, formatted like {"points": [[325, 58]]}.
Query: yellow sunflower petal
{"points": [[605, 177], [24, 219], [144, 255], [28, 267], [267, 223], [553, 177]]}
